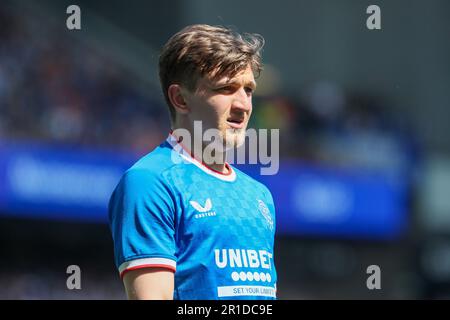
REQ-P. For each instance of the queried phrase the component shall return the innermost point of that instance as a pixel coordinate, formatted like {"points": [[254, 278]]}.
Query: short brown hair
{"points": [[203, 50]]}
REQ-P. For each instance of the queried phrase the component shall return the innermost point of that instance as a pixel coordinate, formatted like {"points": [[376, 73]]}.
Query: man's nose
{"points": [[242, 100]]}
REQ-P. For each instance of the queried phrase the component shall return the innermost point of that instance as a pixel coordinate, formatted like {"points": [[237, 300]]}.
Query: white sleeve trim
{"points": [[148, 262]]}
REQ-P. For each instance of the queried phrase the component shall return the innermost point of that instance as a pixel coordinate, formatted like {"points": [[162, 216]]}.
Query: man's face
{"points": [[224, 104]]}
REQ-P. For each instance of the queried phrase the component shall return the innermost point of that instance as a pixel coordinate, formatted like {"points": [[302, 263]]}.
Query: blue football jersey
{"points": [[215, 231]]}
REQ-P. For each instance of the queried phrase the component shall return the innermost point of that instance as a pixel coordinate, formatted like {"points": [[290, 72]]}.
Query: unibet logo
{"points": [[238, 258]]}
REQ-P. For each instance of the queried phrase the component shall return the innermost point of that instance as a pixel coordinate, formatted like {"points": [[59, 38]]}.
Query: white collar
{"points": [[185, 154]]}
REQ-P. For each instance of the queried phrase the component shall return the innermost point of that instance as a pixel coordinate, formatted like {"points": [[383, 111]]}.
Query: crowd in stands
{"points": [[55, 89]]}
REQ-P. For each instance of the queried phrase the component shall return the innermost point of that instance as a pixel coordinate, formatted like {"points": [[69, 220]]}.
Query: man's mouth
{"points": [[236, 122]]}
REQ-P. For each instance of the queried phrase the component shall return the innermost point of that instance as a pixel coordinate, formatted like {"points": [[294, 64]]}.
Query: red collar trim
{"points": [[230, 170]]}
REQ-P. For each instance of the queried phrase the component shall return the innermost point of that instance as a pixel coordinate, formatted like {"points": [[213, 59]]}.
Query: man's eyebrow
{"points": [[250, 83]]}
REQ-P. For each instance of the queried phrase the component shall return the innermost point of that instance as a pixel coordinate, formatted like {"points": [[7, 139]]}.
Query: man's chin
{"points": [[234, 138]]}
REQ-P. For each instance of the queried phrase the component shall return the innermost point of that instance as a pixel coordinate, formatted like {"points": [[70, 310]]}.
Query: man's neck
{"points": [[215, 162]]}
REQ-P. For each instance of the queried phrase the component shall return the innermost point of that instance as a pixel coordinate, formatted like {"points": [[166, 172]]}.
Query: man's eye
{"points": [[226, 89], [248, 90]]}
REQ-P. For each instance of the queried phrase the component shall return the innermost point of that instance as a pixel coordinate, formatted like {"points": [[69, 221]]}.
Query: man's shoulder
{"points": [[151, 167], [247, 179], [156, 160]]}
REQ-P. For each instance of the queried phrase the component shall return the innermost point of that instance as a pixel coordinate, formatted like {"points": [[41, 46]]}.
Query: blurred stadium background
{"points": [[365, 148]]}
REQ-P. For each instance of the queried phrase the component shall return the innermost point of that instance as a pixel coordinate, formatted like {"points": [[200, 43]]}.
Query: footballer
{"points": [[189, 226]]}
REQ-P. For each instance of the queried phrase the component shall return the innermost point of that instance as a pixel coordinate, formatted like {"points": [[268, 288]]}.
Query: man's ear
{"points": [[176, 97]]}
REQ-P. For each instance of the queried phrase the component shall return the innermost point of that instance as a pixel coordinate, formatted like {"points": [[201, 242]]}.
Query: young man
{"points": [[187, 225]]}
